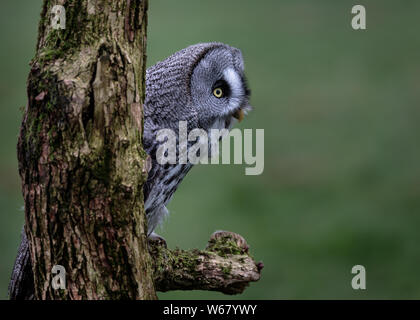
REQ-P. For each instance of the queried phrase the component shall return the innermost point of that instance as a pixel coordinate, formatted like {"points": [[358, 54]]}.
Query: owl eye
{"points": [[218, 92], [221, 89]]}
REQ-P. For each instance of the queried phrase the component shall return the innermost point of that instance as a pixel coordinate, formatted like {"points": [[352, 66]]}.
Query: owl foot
{"points": [[157, 239]]}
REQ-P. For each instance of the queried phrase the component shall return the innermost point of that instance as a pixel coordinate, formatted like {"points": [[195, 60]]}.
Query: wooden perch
{"points": [[225, 265]]}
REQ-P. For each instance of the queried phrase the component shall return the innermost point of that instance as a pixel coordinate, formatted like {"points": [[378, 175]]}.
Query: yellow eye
{"points": [[218, 92]]}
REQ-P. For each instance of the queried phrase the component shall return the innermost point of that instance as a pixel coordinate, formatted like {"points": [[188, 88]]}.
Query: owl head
{"points": [[203, 84]]}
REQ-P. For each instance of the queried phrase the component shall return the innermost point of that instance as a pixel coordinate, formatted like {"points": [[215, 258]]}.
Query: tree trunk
{"points": [[80, 154]]}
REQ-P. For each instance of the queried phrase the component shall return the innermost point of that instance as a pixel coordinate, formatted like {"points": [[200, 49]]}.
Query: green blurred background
{"points": [[341, 113]]}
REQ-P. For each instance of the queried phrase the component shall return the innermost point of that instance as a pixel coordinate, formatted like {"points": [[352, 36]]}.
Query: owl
{"points": [[204, 85]]}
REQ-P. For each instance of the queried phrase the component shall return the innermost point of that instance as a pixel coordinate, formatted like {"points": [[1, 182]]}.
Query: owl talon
{"points": [[157, 239]]}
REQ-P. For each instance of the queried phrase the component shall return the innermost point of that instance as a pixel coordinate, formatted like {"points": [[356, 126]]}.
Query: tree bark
{"points": [[80, 155], [225, 265], [83, 167]]}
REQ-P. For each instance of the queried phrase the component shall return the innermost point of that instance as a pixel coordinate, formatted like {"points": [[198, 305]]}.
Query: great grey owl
{"points": [[205, 86]]}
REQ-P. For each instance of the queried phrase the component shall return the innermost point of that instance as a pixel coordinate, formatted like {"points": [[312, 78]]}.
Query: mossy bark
{"points": [[225, 265], [80, 155]]}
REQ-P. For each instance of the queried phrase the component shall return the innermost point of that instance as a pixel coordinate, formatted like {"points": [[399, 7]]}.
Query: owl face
{"points": [[219, 89]]}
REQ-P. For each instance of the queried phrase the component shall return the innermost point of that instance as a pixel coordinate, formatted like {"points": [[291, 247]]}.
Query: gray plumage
{"points": [[21, 286], [179, 88]]}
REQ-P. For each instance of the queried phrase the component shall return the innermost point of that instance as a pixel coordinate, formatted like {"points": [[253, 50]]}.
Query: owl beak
{"points": [[239, 114]]}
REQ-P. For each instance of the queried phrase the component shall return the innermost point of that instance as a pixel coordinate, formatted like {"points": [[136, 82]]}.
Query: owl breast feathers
{"points": [[205, 86]]}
